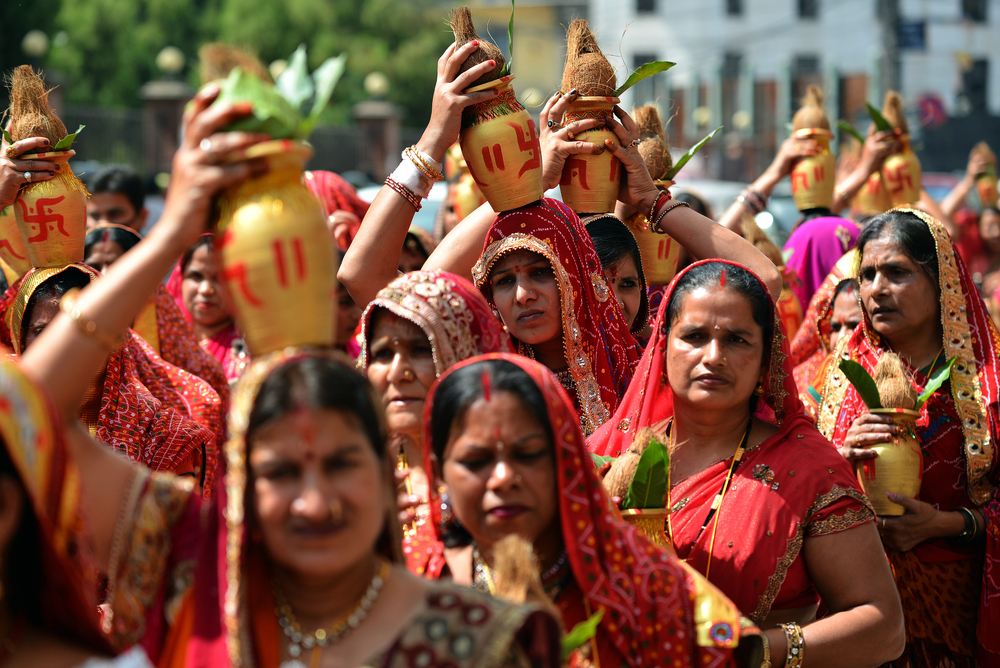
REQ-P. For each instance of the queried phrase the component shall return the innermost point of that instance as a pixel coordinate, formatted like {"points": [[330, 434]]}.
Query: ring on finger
{"points": [[570, 134], [27, 177], [634, 142], [883, 524], [857, 440], [553, 124]]}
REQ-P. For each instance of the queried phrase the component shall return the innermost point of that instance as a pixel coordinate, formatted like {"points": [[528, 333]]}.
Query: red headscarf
{"points": [[334, 193], [649, 400], [600, 351], [646, 594]]}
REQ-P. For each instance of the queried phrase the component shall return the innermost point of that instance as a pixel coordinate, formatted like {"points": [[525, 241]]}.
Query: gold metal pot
{"points": [[813, 178], [276, 254], [52, 215], [899, 466], [12, 249], [590, 182], [986, 187], [652, 522], [901, 175], [660, 252], [872, 199], [500, 145]]}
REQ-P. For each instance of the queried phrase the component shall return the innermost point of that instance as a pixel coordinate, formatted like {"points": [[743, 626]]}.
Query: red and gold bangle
{"points": [[423, 162], [407, 194], [87, 326], [662, 196], [796, 645], [655, 225]]}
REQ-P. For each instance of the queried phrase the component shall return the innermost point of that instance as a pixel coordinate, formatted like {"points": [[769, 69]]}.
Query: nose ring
{"points": [[517, 477], [408, 375]]}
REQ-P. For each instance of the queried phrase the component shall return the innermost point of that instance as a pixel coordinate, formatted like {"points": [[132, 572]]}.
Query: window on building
{"points": [[805, 71], [974, 82], [645, 6], [808, 9], [648, 90], [734, 7], [974, 10]]}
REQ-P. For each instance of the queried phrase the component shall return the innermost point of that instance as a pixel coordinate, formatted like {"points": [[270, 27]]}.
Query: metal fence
{"points": [[116, 136]]}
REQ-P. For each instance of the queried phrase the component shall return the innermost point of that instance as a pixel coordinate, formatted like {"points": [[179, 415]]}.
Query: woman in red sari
{"points": [[760, 503], [920, 301], [413, 331], [507, 448]]}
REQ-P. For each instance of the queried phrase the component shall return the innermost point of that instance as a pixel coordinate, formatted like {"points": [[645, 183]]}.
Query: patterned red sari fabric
{"points": [[601, 354], [957, 430], [646, 594], [334, 193], [187, 394], [179, 347], [787, 489]]}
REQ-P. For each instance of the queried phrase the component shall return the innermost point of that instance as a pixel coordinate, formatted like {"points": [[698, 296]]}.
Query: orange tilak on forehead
{"points": [[722, 280], [305, 425]]}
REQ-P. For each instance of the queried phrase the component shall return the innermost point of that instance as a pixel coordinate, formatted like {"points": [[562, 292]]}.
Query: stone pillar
{"points": [[378, 141], [161, 122]]}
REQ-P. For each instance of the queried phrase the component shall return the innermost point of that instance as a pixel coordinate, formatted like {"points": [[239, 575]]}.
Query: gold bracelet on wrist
{"points": [[796, 645], [766, 661], [87, 326]]}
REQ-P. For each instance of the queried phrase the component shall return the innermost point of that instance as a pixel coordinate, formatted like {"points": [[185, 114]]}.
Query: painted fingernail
{"points": [[573, 92], [493, 63], [45, 141], [474, 42], [51, 174], [600, 150]]}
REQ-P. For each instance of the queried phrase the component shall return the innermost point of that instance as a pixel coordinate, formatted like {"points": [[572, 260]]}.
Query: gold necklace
{"points": [[716, 502]]}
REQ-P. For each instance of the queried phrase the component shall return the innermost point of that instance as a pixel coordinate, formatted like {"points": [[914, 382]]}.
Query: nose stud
{"points": [[408, 375]]}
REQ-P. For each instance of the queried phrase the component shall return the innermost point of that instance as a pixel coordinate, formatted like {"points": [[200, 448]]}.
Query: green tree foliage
{"points": [[111, 45]]}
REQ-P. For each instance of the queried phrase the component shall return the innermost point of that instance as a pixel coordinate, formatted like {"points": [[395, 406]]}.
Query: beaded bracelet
{"points": [[654, 226], [796, 645], [656, 203], [407, 194], [87, 326], [753, 200], [425, 163], [409, 175], [971, 531]]}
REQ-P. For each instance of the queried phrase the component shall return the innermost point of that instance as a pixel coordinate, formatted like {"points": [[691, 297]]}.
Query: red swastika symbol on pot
{"points": [[43, 217]]}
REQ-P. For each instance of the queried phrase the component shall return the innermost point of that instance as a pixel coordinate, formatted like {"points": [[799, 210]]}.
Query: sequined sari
{"points": [[940, 584], [789, 488], [601, 354]]}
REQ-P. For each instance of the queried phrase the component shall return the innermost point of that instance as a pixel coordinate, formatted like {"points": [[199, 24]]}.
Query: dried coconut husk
{"points": [[811, 114], [653, 146], [619, 476], [30, 113], [759, 239], [983, 149], [465, 32], [587, 70], [893, 112], [894, 388], [217, 59], [518, 576]]}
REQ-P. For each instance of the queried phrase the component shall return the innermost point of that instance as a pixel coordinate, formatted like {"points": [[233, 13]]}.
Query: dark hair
{"points": [[847, 285], [990, 209], [697, 204], [613, 241], [204, 241], [320, 383], [461, 389], [812, 214], [738, 279], [127, 239], [120, 179], [908, 232], [413, 244], [23, 570], [53, 287]]}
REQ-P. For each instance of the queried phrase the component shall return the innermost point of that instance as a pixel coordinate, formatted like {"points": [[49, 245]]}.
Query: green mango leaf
{"points": [[851, 130], [66, 142], [644, 72], [325, 79], [510, 41], [649, 485], [295, 84], [881, 124], [581, 634], [600, 460], [7, 138], [862, 382], [683, 160], [938, 376], [272, 113]]}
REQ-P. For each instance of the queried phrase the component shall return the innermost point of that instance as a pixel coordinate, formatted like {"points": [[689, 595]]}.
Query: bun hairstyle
{"points": [[893, 112], [30, 113], [465, 32], [811, 114], [217, 59], [587, 70], [653, 146]]}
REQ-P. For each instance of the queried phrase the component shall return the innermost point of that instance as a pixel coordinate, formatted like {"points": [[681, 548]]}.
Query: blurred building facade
{"points": [[744, 64]]}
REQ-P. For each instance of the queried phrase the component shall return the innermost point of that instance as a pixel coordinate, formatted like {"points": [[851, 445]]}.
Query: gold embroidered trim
{"points": [[833, 392], [836, 524], [593, 411]]}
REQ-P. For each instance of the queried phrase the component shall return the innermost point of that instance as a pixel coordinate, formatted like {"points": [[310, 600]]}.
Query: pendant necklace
{"points": [[318, 640]]}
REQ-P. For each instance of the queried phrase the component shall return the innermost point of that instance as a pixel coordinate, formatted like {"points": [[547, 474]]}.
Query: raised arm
{"points": [[955, 199], [372, 260], [877, 147], [791, 149], [702, 237], [64, 358]]}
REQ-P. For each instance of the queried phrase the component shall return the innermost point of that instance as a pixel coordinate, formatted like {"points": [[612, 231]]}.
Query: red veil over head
{"points": [[646, 594], [649, 399], [601, 354]]}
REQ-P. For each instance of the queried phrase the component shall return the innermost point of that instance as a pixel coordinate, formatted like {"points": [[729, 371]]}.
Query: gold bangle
{"points": [[796, 645], [87, 326], [766, 661]]}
